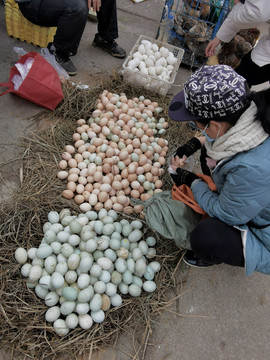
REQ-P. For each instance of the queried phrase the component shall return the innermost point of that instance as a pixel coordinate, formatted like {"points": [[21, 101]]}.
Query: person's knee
{"points": [[201, 236], [78, 8]]}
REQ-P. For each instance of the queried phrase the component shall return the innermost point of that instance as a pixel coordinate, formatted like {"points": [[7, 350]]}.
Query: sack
{"points": [[183, 193], [170, 218], [41, 85]]}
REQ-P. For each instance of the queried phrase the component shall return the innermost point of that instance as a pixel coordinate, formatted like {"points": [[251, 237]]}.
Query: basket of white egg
{"points": [[152, 64]]}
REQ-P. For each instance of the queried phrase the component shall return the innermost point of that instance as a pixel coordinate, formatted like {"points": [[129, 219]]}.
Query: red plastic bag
{"points": [[41, 86]]}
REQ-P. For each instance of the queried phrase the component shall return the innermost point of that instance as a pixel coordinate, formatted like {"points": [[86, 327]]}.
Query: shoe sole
{"points": [[196, 266], [72, 73], [108, 51]]}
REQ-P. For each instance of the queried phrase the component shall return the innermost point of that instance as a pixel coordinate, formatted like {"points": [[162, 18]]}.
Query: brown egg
{"points": [[141, 106], [124, 108], [80, 188], [96, 185], [131, 112], [139, 133], [112, 193], [95, 192], [106, 179], [80, 129], [157, 164], [97, 176], [145, 196], [161, 142], [66, 156], [127, 161], [117, 207], [90, 179], [147, 167], [74, 171], [149, 132], [127, 190], [128, 210], [68, 194], [117, 185], [141, 189], [133, 131], [82, 180], [149, 176], [142, 160], [123, 155], [124, 173], [147, 102], [129, 148], [149, 154], [73, 177], [160, 172], [163, 153], [125, 183], [158, 184], [138, 209], [88, 187], [123, 98], [162, 160], [100, 106], [71, 185], [135, 184], [63, 164], [121, 199], [81, 149], [86, 195], [139, 170], [108, 204], [135, 194], [132, 177], [76, 136], [98, 206], [103, 196], [79, 199], [154, 170]]}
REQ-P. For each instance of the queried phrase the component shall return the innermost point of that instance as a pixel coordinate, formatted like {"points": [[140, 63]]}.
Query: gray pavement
{"points": [[221, 314]]}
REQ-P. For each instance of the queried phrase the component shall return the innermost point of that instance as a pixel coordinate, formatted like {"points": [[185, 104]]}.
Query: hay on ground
{"points": [[23, 327]]}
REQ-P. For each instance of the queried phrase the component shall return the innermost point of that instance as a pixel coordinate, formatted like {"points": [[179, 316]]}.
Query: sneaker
{"points": [[63, 60], [110, 46], [192, 259], [66, 64]]}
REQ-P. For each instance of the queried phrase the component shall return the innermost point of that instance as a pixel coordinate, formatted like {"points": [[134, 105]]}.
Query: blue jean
{"points": [[70, 16]]}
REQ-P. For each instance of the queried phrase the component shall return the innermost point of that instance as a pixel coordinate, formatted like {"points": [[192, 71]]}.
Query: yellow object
{"points": [[20, 28], [212, 60]]}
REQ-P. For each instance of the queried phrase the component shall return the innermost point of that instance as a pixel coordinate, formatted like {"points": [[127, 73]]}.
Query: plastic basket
{"points": [[20, 28], [148, 82], [191, 12]]}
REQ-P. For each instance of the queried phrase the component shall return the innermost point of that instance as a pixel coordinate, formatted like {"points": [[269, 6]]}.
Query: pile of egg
{"points": [[117, 155], [150, 59], [85, 263]]}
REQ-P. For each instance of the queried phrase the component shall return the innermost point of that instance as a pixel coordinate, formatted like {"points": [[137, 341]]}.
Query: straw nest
{"points": [[24, 330]]}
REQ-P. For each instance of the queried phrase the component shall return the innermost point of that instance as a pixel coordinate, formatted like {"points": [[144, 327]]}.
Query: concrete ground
{"points": [[221, 314]]}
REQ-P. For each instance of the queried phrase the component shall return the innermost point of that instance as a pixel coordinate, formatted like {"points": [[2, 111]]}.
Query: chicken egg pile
{"points": [[117, 154]]}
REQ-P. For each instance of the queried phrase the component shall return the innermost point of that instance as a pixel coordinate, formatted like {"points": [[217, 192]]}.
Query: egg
{"points": [[21, 255], [52, 314], [134, 290], [85, 321]]}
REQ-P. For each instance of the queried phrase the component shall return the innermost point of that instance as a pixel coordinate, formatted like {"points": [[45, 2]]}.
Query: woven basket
{"points": [[20, 28]]}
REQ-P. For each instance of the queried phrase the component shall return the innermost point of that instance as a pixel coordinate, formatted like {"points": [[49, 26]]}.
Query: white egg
{"points": [[52, 314], [141, 49], [137, 55], [41, 291], [50, 264], [51, 298], [105, 276], [123, 288], [31, 253], [152, 70], [86, 263], [71, 276], [72, 321], [134, 290], [116, 300], [45, 282], [85, 321], [131, 64], [96, 302], [73, 261], [155, 265], [171, 60], [149, 286], [149, 273], [57, 280], [99, 287], [151, 241], [44, 251], [164, 52], [53, 217], [60, 327], [82, 308], [98, 316], [104, 263], [111, 289], [135, 235], [85, 207], [67, 307], [120, 265], [85, 295], [140, 267], [116, 277], [159, 69], [83, 281], [25, 270], [21, 255], [35, 273]]}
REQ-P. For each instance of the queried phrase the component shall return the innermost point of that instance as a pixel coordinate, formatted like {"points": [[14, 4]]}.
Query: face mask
{"points": [[208, 138]]}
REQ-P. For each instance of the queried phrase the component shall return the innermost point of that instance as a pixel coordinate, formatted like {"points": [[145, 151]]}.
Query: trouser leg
{"points": [[107, 20], [69, 16], [217, 242]]}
